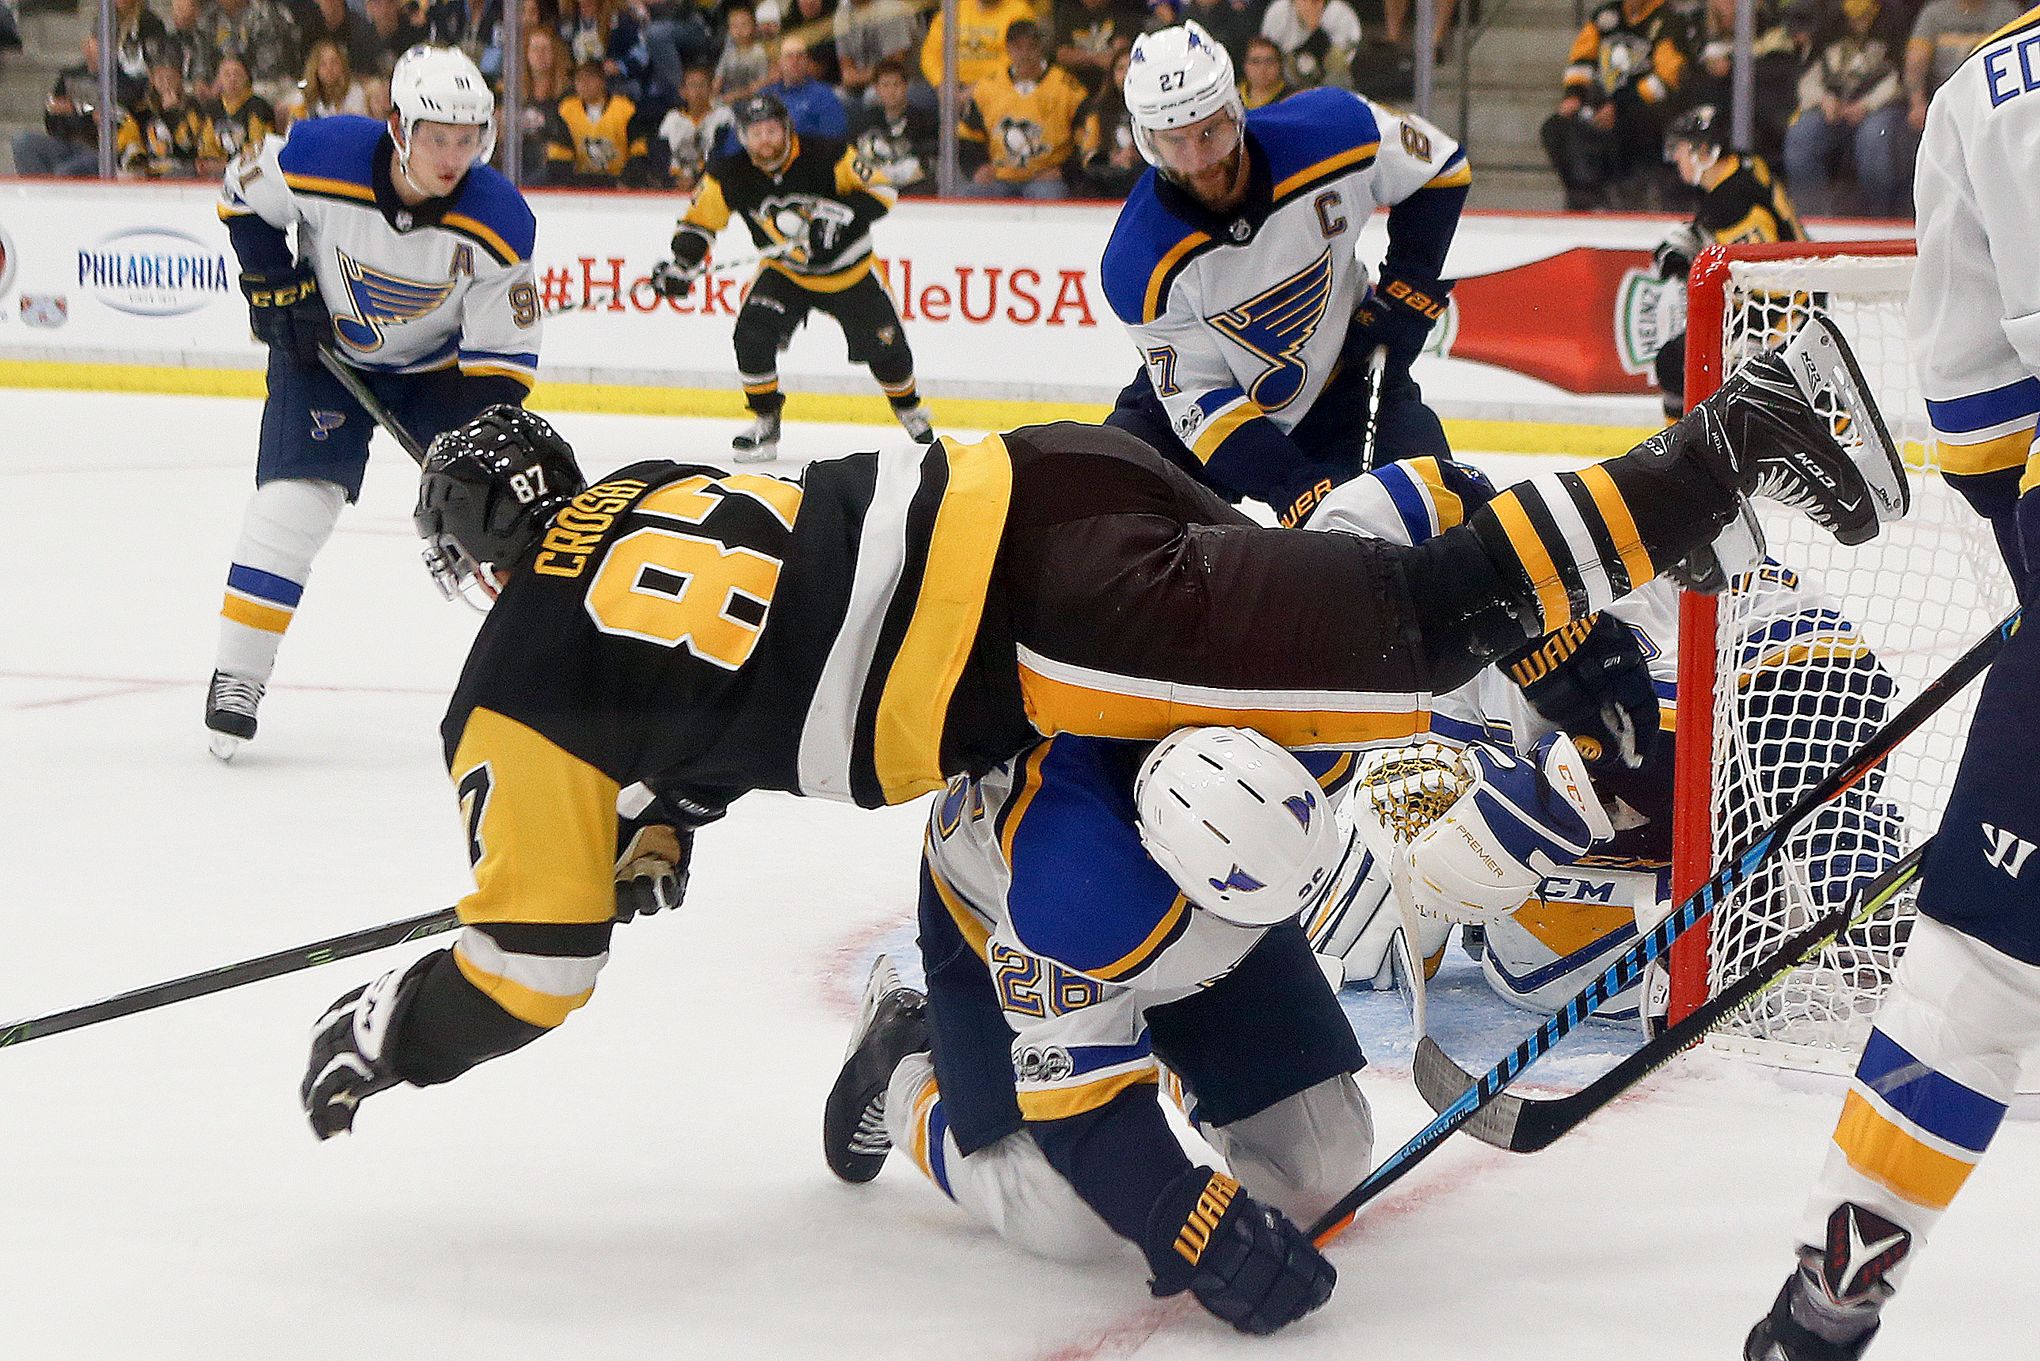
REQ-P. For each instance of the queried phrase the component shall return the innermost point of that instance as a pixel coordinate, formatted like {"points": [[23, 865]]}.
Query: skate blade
{"points": [[767, 454], [224, 745], [882, 983], [1824, 369]]}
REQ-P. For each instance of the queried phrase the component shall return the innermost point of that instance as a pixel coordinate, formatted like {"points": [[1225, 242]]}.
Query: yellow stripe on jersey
{"points": [[1338, 771], [1330, 165], [1061, 1103], [1030, 785], [1621, 525], [975, 933], [2029, 17], [482, 232], [924, 1108], [1994, 455], [320, 184], [710, 211], [906, 739], [268, 618], [1221, 427], [1894, 1159], [521, 1000], [479, 367], [823, 283], [1450, 510], [545, 829], [1056, 705], [1150, 307], [1453, 178], [1535, 559], [1140, 954]]}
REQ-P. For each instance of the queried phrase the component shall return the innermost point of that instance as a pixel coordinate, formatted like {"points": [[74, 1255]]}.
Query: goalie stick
{"points": [[1738, 868], [231, 976], [1526, 1125]]}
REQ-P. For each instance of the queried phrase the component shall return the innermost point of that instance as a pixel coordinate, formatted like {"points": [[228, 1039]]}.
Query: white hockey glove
{"points": [[1516, 822]]}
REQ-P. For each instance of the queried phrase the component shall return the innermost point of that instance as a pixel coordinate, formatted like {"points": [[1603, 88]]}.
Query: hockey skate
{"points": [[230, 703], [917, 422], [1781, 1335], [1798, 426], [891, 1024], [759, 441]]}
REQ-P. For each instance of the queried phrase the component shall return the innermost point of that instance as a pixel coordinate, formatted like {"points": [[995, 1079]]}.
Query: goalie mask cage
{"points": [[1797, 663]]}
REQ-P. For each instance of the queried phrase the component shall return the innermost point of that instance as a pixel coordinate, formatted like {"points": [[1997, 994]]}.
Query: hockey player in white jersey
{"points": [[1945, 1050], [1233, 267], [412, 264]]}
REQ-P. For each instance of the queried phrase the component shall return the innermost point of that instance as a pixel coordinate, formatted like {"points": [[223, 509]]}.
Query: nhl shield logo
{"points": [[46, 311]]}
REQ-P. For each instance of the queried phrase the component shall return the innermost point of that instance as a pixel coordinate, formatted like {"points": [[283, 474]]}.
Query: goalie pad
{"points": [[1564, 936], [1515, 822]]}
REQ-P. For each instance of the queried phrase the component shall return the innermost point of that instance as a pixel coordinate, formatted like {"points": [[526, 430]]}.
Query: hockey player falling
{"points": [[1232, 267], [1944, 1054], [810, 201], [891, 620], [413, 265]]}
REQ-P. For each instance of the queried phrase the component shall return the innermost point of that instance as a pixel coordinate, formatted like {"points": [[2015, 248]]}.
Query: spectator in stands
{"points": [[69, 141], [688, 133], [1944, 35], [185, 42], [332, 19], [474, 26], [1852, 110], [138, 39], [1318, 39], [816, 110], [1108, 161], [895, 134], [745, 63], [328, 86], [1091, 34], [675, 38], [980, 40], [548, 79], [769, 14], [1231, 22], [262, 35], [1021, 124], [375, 93], [1395, 24], [814, 23], [392, 34], [160, 138], [236, 117], [1606, 139], [868, 32], [628, 60], [1262, 81], [586, 27], [594, 143], [1709, 80]]}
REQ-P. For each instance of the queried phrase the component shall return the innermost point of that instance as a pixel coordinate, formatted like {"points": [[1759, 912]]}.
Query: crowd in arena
{"points": [[637, 93]]}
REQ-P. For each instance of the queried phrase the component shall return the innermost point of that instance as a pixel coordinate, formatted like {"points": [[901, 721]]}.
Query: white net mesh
{"points": [[1813, 654]]}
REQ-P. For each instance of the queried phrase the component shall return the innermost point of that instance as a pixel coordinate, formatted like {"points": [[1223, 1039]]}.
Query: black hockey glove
{"points": [[826, 233], [1242, 1260], [351, 1048], [1295, 504], [676, 277], [1398, 313], [286, 313], [1674, 255], [1591, 679], [651, 870]]}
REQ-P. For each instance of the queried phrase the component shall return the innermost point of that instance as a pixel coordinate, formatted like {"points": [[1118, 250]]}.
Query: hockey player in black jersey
{"points": [[1740, 202], [675, 637], [809, 202]]}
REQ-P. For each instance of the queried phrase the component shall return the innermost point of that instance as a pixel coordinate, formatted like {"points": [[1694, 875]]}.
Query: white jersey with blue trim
{"points": [[409, 289], [1974, 314], [1248, 319]]}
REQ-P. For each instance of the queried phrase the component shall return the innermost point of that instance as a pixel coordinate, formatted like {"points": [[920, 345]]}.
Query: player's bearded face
{"points": [[1206, 158], [440, 153], [766, 142]]}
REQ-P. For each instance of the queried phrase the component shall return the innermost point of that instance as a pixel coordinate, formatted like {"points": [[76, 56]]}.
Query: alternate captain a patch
{"points": [[378, 299], [1275, 325]]}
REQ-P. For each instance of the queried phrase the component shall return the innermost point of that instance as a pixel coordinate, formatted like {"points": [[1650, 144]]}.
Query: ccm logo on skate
{"points": [[2007, 852]]}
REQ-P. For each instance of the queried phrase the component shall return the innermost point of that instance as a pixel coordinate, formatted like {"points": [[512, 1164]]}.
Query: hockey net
{"points": [[1782, 676]]}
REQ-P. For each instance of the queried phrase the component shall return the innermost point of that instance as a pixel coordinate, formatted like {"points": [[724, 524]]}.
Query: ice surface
{"points": [[648, 1182]]}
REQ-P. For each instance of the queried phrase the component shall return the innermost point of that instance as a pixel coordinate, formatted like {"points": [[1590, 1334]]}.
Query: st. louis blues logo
{"points": [[380, 300], [1238, 880], [1275, 325], [325, 423], [1302, 807]]}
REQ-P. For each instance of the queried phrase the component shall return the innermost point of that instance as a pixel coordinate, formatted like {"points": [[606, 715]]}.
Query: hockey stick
{"points": [[357, 387], [1526, 1125], [1739, 867], [231, 976], [1377, 365], [591, 303]]}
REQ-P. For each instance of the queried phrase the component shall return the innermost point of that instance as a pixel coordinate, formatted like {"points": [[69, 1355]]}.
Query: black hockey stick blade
{"points": [[1527, 1125], [358, 388], [231, 976]]}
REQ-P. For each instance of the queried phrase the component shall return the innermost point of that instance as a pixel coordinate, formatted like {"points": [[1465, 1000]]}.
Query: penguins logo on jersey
{"points": [[381, 300], [1275, 325], [1022, 139]]}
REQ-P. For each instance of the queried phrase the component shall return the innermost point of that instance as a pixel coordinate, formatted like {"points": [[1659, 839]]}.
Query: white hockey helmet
{"points": [[1238, 823], [1178, 76], [441, 85]]}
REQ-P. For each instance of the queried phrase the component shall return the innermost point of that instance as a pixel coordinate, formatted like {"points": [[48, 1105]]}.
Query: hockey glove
{"points": [[351, 1048], [671, 279], [651, 870], [1674, 255], [286, 313], [1242, 1260], [1591, 679], [1294, 506], [1398, 313], [825, 236]]}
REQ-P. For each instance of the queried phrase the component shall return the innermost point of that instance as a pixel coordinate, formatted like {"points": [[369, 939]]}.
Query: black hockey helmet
{"points": [[487, 491], [1699, 126], [760, 108]]}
